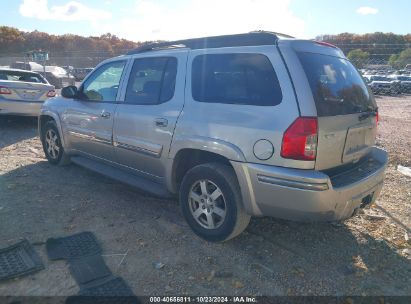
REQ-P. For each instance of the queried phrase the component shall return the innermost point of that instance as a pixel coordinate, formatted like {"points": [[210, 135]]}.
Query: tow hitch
{"points": [[366, 201]]}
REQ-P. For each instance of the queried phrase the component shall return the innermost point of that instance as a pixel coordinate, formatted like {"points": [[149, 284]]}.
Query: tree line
{"points": [[383, 47], [14, 41]]}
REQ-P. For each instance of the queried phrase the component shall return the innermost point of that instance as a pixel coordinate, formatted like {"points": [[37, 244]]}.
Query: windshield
{"points": [[337, 87]]}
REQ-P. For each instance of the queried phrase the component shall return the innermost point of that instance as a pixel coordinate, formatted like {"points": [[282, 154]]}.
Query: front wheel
{"points": [[210, 199], [52, 144]]}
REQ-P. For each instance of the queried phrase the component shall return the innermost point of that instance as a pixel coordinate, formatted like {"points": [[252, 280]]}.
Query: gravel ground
{"points": [[366, 255]]}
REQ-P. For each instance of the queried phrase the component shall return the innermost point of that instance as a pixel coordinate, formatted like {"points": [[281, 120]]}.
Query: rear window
{"points": [[337, 87], [21, 76], [152, 81], [243, 79]]}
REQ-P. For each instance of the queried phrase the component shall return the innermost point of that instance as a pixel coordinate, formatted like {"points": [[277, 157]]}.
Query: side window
{"points": [[103, 84], [152, 81], [244, 79]]}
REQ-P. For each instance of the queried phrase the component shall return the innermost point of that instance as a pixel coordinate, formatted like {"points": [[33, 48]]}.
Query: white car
{"points": [[382, 84], [23, 92], [405, 82]]}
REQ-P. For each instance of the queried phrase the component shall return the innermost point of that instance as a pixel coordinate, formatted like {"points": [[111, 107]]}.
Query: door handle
{"points": [[105, 114], [161, 122]]}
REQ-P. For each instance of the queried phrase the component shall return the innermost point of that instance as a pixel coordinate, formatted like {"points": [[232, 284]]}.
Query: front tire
{"points": [[52, 144], [210, 199]]}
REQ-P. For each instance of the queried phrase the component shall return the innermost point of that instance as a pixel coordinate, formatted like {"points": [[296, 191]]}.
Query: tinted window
{"points": [[246, 79], [152, 81], [103, 84], [336, 85]]}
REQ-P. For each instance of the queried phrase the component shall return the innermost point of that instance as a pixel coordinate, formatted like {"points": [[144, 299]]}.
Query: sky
{"points": [[142, 20]]}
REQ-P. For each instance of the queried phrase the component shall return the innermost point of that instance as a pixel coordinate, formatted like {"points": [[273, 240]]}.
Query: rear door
{"points": [[345, 109], [146, 118], [88, 119]]}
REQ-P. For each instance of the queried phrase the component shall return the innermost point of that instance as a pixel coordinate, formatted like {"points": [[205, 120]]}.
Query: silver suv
{"points": [[255, 124]]}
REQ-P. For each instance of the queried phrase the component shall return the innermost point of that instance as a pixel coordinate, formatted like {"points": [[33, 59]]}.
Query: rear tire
{"points": [[210, 199], [52, 144]]}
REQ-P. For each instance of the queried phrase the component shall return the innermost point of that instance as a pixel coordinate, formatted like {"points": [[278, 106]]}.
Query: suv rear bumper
{"points": [[26, 108], [310, 195]]}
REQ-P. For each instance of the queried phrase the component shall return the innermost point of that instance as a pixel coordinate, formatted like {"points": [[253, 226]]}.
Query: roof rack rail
{"points": [[248, 39]]}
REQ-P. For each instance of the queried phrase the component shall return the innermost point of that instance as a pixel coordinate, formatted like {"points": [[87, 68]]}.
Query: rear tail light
{"points": [[51, 93], [4, 90], [300, 139], [377, 118]]}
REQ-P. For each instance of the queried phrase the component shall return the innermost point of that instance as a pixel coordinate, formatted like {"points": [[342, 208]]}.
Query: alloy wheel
{"points": [[52, 144], [207, 204]]}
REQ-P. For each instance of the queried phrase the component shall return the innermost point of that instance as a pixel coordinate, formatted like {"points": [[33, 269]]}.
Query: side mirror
{"points": [[69, 92]]}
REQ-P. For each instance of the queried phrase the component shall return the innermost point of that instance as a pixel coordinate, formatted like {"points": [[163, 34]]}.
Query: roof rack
{"points": [[248, 39]]}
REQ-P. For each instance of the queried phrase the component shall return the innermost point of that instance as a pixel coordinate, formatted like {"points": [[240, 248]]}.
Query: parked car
{"points": [[405, 82], [58, 77], [23, 92], [28, 66], [69, 69], [404, 72], [383, 85], [81, 73], [236, 126]]}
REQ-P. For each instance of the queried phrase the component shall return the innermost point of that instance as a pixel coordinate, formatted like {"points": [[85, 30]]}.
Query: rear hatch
{"points": [[25, 91], [346, 110]]}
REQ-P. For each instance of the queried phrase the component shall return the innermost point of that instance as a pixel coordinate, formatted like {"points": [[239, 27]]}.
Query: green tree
{"points": [[401, 60], [380, 45], [358, 57]]}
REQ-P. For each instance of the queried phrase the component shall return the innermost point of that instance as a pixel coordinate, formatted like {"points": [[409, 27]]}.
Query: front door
{"points": [[144, 122], [88, 121]]}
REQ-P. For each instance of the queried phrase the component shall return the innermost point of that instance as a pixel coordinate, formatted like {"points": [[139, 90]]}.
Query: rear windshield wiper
{"points": [[333, 99], [367, 114]]}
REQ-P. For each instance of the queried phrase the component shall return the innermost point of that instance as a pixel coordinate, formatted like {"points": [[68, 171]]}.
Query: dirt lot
{"points": [[366, 255]]}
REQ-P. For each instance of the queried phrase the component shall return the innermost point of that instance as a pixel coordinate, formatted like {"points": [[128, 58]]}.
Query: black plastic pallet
{"points": [[19, 260], [74, 246]]}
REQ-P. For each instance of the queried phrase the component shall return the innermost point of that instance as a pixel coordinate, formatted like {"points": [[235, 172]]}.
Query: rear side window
{"points": [[243, 79], [337, 87], [152, 81], [21, 76]]}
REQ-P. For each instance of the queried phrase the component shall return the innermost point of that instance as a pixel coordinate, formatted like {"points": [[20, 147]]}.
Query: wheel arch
{"points": [[47, 116], [187, 158]]}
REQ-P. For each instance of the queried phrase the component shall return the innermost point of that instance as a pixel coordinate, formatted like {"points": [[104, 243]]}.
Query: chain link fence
{"points": [[380, 65], [383, 78], [386, 68], [61, 69]]}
